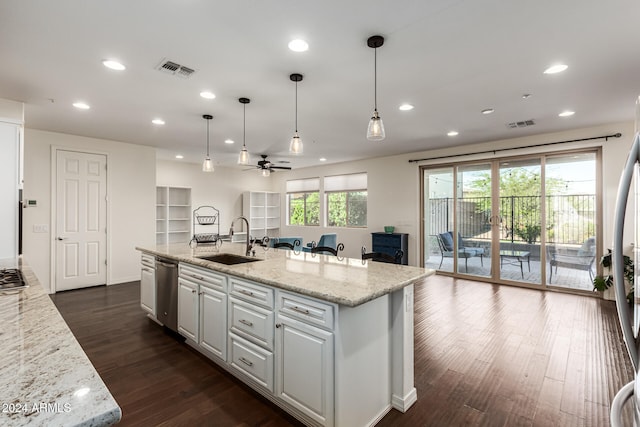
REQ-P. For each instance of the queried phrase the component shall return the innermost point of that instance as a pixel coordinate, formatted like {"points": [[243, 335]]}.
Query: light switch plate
{"points": [[40, 228]]}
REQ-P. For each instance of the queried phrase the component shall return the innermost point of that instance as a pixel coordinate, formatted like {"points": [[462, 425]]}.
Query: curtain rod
{"points": [[605, 137]]}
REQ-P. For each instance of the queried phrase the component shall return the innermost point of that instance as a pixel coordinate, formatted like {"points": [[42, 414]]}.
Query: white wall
{"points": [[221, 189], [393, 184], [131, 180]]}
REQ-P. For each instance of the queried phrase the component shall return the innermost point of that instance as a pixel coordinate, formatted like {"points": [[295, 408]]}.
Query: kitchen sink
{"points": [[228, 259]]}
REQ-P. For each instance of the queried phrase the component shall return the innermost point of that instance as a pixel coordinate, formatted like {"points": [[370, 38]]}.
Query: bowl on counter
{"points": [[389, 229]]}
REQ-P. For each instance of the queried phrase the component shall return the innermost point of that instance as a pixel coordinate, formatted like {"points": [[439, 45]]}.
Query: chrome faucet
{"points": [[249, 245]]}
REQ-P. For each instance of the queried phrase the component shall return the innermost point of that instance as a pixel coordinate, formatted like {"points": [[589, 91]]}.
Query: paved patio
{"points": [[564, 278]]}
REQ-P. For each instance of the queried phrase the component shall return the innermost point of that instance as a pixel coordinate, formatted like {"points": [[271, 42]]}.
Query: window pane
{"points": [[312, 208], [296, 208], [337, 209], [357, 208]]}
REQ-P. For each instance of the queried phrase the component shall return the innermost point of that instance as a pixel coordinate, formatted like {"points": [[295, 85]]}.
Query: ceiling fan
{"points": [[267, 167]]}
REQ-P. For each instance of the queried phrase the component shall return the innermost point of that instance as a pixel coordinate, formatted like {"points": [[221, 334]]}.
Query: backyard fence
{"points": [[570, 219]]}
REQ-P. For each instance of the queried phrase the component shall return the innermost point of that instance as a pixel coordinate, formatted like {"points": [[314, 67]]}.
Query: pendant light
{"points": [[207, 165], [296, 147], [243, 158], [375, 131]]}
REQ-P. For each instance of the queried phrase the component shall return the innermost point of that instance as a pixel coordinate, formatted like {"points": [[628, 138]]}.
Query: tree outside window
{"points": [[347, 209], [304, 208]]}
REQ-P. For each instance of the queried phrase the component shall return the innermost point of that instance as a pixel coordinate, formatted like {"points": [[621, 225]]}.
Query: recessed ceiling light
{"points": [[567, 113], [526, 95], [452, 133], [487, 111], [114, 65], [323, 159], [207, 94], [229, 141], [179, 156], [556, 69], [81, 105], [157, 121], [405, 107], [298, 45]]}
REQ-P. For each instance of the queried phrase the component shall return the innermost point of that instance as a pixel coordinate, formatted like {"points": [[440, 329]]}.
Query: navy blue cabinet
{"points": [[389, 243]]}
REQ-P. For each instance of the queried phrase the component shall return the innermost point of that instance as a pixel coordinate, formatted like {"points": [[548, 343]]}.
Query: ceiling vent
{"points": [[175, 69], [522, 124]]}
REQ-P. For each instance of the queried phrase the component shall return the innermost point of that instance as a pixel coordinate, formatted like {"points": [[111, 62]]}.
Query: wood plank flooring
{"points": [[485, 355]]}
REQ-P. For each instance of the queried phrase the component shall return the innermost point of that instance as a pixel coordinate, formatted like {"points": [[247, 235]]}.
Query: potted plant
{"points": [[601, 283]]}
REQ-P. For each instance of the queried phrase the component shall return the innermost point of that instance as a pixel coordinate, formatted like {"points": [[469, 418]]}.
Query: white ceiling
{"points": [[450, 59]]}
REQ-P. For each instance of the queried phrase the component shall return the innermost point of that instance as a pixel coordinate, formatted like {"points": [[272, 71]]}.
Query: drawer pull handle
{"points": [[245, 361], [245, 322], [196, 276], [246, 292], [299, 310], [147, 270], [193, 291]]}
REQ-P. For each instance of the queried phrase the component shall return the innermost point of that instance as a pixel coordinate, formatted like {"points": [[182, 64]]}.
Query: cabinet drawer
{"points": [[251, 322], [202, 276], [386, 240], [148, 260], [252, 292], [251, 360], [305, 309]]}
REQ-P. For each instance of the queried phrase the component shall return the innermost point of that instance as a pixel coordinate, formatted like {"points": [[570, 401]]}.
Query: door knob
{"points": [[61, 238]]}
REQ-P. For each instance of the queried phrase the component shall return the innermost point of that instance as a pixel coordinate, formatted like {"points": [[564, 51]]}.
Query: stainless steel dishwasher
{"points": [[167, 292]]}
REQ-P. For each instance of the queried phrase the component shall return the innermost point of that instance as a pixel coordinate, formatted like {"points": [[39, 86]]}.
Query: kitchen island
{"points": [[329, 339], [46, 378]]}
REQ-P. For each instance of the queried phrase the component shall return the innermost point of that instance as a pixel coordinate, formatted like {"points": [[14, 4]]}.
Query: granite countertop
{"points": [[345, 281], [46, 378]]}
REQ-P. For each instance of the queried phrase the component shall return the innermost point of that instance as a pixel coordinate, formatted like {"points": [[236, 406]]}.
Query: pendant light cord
{"points": [[375, 79], [207, 137], [244, 124], [296, 107]]}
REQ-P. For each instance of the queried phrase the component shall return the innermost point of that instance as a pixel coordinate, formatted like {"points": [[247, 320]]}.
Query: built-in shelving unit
{"points": [[262, 209], [173, 215]]}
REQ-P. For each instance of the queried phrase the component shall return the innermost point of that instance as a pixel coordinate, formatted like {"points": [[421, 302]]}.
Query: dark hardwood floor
{"points": [[485, 355]]}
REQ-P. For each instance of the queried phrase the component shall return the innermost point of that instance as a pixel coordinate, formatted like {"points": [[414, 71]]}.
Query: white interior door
{"points": [[81, 220]]}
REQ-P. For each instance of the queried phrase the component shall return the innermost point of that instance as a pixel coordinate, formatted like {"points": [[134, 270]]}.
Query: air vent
{"points": [[175, 69], [522, 124]]}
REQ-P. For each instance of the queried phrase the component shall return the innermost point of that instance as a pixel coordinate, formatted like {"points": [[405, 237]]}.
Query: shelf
{"points": [[173, 220]]}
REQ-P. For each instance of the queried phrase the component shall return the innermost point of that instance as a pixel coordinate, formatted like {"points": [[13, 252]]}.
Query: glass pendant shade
{"points": [[266, 172], [375, 131], [296, 147], [243, 158], [207, 165]]}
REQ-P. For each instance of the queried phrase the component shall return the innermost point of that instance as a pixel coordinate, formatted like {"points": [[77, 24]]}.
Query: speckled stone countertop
{"points": [[46, 378], [345, 281]]}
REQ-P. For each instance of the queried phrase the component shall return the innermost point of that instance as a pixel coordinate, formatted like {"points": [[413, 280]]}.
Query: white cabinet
{"points": [[202, 309], [262, 209], [304, 362], [148, 284], [251, 331], [173, 215], [188, 309], [213, 320]]}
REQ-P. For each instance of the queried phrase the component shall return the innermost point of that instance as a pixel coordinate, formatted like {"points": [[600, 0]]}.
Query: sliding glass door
{"points": [[521, 224], [532, 220]]}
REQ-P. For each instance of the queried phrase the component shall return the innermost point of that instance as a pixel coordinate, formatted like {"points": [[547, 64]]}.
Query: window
{"points": [[303, 202], [346, 197]]}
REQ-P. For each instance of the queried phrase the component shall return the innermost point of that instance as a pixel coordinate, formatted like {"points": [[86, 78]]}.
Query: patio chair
{"points": [[445, 244], [582, 258]]}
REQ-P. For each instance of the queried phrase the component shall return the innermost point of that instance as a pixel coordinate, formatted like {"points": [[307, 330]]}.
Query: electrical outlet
{"points": [[40, 228]]}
